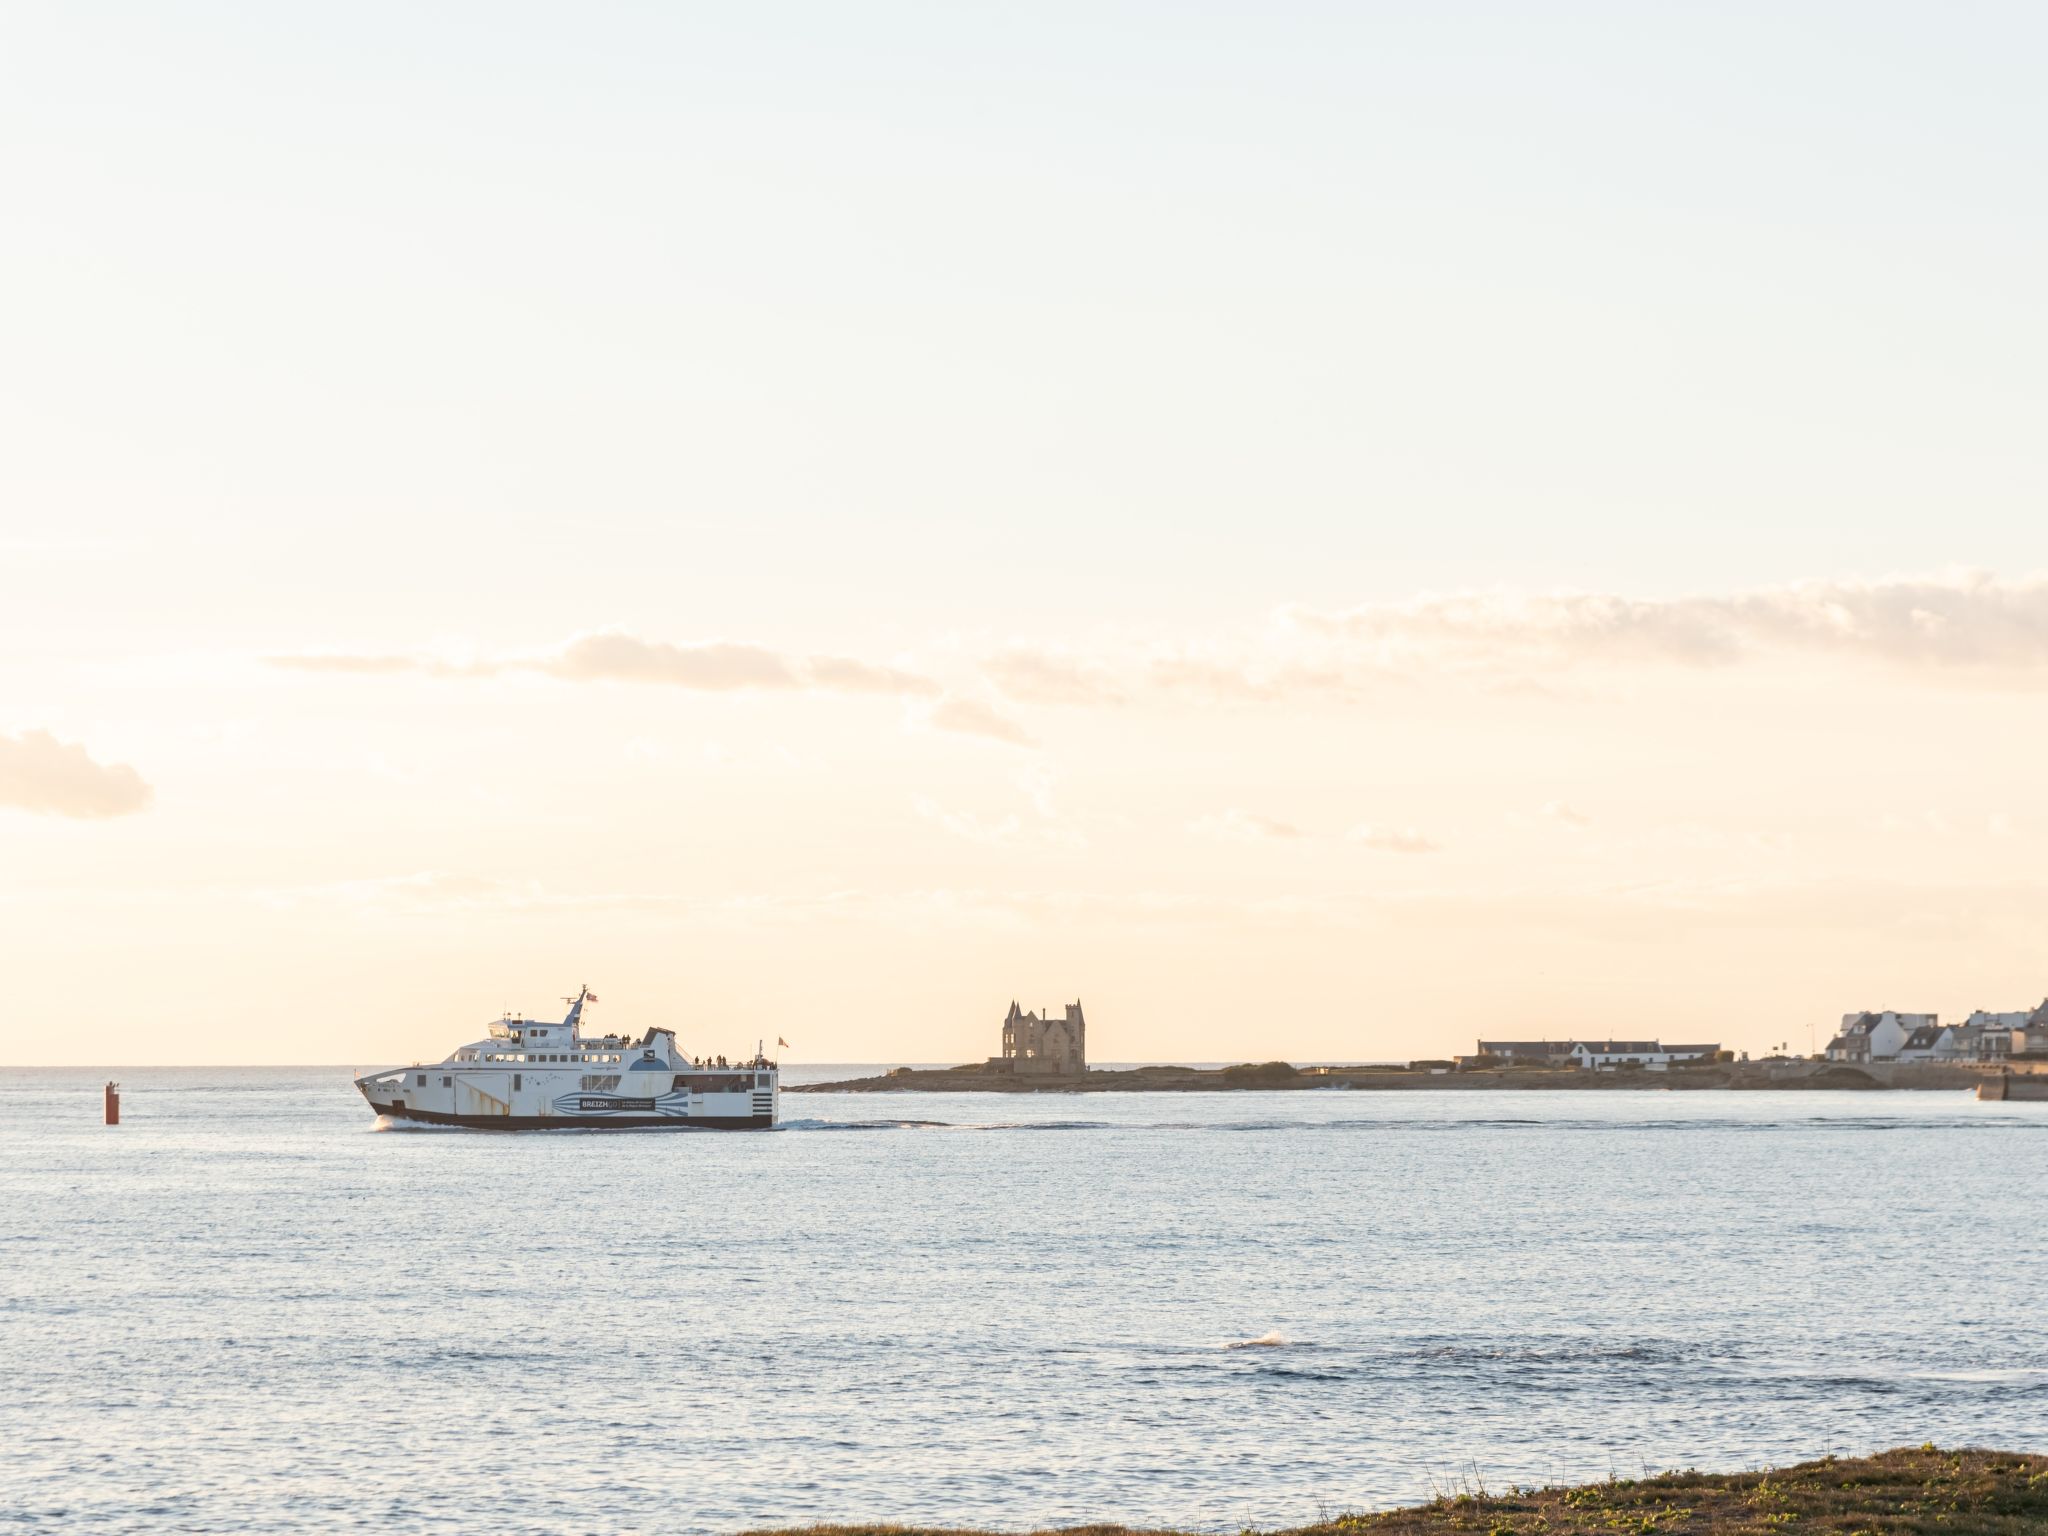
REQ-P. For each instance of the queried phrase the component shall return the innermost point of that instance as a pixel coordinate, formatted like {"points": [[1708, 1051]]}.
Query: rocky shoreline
{"points": [[1898, 1493], [976, 1077]]}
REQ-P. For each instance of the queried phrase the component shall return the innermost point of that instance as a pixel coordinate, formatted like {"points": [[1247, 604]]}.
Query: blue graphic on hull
{"points": [[674, 1105]]}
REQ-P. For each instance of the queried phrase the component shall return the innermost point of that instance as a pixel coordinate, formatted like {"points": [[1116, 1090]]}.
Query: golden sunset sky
{"points": [[1322, 531]]}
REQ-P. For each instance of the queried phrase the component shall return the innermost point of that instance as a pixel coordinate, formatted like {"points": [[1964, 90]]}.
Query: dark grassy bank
{"points": [[976, 1077], [1900, 1493]]}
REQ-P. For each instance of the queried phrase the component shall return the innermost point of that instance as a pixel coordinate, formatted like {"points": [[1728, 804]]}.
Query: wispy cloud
{"points": [[707, 666], [1558, 810], [1240, 826], [1034, 676], [1392, 839], [972, 718], [1962, 619], [55, 778], [715, 666], [1010, 831], [1517, 644]]}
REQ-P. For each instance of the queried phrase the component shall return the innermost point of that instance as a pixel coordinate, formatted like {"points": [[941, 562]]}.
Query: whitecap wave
{"points": [[1274, 1339]]}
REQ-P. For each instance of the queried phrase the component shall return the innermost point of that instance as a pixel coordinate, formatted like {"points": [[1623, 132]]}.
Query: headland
{"points": [[1774, 1073], [1956, 1493]]}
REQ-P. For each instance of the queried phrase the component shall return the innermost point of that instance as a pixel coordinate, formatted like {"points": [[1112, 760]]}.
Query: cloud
{"points": [[1047, 677], [1557, 810], [970, 718], [1963, 619], [366, 666], [965, 824], [55, 778], [1521, 645], [713, 667], [842, 675], [1392, 839], [710, 666], [1209, 681], [1236, 826], [432, 890]]}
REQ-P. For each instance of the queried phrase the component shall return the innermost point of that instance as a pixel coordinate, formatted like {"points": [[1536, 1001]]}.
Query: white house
{"points": [[1927, 1043], [1608, 1055], [1877, 1036]]}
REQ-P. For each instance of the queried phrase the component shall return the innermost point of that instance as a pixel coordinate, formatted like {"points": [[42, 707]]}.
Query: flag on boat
{"points": [[590, 997], [782, 1042]]}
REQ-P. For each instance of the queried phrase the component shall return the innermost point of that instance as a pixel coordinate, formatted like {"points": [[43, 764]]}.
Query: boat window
{"points": [[515, 1082], [423, 1079], [447, 1082]]}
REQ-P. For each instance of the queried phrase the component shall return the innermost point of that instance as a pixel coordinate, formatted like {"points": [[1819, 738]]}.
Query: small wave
{"points": [[944, 1125], [1274, 1339], [1043, 1125], [865, 1125]]}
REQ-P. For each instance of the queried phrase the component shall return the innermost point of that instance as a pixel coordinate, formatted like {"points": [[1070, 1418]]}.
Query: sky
{"points": [[1322, 531]]}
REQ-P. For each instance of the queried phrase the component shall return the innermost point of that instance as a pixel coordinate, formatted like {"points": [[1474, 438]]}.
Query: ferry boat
{"points": [[534, 1075]]}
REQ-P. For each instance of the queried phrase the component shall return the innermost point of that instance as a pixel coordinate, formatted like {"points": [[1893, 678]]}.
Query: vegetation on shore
{"points": [[1924, 1492], [980, 1077]]}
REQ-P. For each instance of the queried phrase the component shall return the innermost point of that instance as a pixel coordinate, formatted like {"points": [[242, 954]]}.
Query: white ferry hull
{"points": [[611, 1122]]}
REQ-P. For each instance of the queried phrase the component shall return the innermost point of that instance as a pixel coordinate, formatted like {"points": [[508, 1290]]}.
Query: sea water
{"points": [[250, 1308]]}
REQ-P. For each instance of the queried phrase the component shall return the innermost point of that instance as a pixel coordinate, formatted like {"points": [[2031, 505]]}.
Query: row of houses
{"points": [[1591, 1055], [1889, 1035]]}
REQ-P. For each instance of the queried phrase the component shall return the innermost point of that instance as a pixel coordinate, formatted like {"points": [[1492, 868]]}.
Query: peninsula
{"points": [[1785, 1072], [1899, 1493], [1048, 1053]]}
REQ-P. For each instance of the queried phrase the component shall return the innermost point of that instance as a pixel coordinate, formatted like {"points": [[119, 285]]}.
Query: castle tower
{"points": [[1046, 1047]]}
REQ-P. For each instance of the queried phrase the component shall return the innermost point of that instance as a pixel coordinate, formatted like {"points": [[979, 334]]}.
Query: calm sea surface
{"points": [[249, 1309]]}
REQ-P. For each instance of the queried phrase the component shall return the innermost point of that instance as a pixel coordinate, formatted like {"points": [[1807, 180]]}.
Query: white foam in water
{"points": [[1273, 1340]]}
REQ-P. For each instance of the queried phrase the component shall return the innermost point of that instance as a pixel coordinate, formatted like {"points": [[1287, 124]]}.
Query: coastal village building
{"points": [[1046, 1047], [1975, 1042], [1870, 1036], [2017, 1019], [1592, 1055], [1610, 1055], [1924, 1043], [1543, 1051]]}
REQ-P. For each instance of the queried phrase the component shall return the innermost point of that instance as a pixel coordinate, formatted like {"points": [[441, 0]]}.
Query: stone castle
{"points": [[1046, 1047]]}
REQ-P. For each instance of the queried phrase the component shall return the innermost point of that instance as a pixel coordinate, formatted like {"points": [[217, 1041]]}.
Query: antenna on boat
{"points": [[583, 995]]}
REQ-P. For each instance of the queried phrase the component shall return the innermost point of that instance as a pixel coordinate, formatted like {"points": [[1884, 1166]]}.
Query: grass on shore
{"points": [[1924, 1492]]}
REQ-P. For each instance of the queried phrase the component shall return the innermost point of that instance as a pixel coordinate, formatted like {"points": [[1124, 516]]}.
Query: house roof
{"points": [[1923, 1038], [1619, 1047], [1524, 1047]]}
